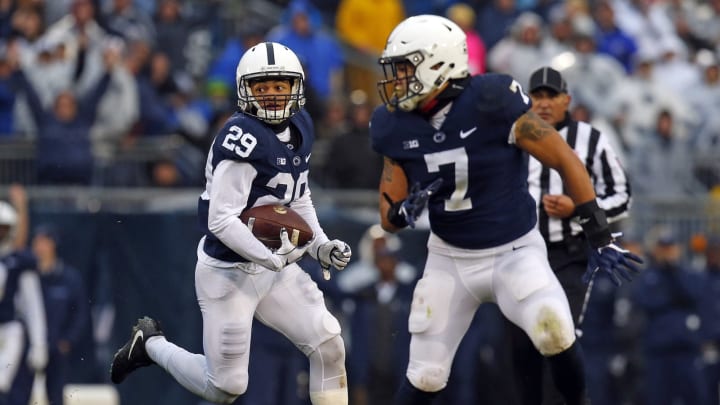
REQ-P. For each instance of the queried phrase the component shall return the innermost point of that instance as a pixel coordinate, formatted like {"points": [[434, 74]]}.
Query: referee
{"points": [[567, 247]]}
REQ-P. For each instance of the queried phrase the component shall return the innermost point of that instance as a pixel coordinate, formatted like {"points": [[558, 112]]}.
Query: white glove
{"points": [[336, 253], [37, 357], [288, 252]]}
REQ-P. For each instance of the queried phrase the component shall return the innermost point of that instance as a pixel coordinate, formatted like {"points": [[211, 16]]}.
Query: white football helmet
{"points": [[435, 46], [270, 60]]}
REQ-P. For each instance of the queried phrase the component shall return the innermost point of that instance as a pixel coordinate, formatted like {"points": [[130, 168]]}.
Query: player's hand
{"points": [[288, 252], [619, 263], [37, 357], [415, 202], [334, 253]]}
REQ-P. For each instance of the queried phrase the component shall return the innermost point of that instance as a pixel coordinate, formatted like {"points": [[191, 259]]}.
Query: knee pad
{"points": [[551, 333], [428, 377], [333, 352], [233, 346]]}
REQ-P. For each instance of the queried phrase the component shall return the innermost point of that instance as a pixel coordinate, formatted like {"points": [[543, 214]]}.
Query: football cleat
{"points": [[133, 355]]}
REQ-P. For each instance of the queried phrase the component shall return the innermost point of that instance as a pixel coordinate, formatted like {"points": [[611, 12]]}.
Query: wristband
{"points": [[594, 224]]}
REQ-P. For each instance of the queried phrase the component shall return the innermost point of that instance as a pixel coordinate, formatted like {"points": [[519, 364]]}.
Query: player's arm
{"points": [[544, 143], [393, 188], [228, 197]]}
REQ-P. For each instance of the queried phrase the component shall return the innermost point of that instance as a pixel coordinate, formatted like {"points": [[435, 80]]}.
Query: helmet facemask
{"points": [[275, 108], [270, 61]]}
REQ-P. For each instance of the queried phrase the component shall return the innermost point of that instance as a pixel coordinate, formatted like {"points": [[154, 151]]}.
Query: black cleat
{"points": [[133, 355]]}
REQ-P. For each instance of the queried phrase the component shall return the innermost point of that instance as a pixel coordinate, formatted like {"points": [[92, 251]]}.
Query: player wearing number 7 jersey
{"points": [[259, 157], [457, 144]]}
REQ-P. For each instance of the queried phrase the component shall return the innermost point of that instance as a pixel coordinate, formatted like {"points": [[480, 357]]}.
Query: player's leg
{"points": [[296, 308], [227, 298], [531, 297], [444, 303], [569, 264]]}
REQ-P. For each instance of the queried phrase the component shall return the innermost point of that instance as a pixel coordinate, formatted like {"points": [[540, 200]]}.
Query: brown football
{"points": [[266, 221]]}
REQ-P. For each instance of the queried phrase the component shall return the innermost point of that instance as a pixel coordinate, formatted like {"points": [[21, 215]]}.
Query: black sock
{"points": [[409, 395], [568, 373]]}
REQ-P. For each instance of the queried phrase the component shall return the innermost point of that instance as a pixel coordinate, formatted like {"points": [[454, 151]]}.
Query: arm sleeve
{"points": [[228, 197], [611, 183], [31, 306]]}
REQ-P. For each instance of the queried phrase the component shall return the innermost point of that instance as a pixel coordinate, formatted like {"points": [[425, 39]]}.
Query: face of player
{"points": [[404, 74], [272, 95], [550, 105]]}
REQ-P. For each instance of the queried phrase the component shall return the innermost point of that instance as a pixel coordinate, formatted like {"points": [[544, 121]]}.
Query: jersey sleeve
{"points": [[228, 198]]}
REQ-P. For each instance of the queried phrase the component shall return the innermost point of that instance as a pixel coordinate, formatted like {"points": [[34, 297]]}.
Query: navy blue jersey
{"points": [[484, 200], [282, 173], [12, 266]]}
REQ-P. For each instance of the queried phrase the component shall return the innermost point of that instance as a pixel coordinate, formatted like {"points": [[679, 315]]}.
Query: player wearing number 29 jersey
{"points": [[484, 173], [259, 157], [457, 145]]}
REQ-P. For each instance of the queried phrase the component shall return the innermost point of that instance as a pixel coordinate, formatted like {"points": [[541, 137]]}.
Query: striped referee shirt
{"points": [[607, 174]]}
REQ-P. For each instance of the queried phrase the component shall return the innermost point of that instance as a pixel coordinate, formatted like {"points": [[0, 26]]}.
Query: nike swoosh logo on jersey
{"points": [[138, 335], [518, 247], [465, 134]]}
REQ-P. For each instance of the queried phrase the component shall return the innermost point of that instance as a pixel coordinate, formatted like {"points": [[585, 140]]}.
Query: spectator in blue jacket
{"points": [[669, 297], [63, 153], [66, 307]]}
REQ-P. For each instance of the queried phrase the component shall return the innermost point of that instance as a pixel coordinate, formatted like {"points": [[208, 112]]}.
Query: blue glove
{"points": [[415, 202], [616, 261]]}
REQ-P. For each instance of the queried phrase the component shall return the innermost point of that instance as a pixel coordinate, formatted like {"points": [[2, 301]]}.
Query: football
{"points": [[266, 221]]}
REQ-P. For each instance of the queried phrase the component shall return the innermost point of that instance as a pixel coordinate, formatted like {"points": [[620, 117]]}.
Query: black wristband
{"points": [[393, 214], [594, 224]]}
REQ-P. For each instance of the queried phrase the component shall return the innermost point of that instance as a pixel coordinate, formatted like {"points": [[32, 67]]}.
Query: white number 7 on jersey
{"points": [[459, 159]]}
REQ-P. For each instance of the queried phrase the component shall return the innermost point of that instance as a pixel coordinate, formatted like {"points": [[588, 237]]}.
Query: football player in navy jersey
{"points": [[259, 157], [458, 145], [21, 311]]}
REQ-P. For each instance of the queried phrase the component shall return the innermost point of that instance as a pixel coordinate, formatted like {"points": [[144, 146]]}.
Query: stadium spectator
{"points": [[525, 49], [634, 106], [378, 335], [495, 21], [592, 76], [66, 308], [350, 155], [124, 19], [364, 27], [661, 166], [63, 153], [464, 16], [611, 40], [320, 54], [669, 297]]}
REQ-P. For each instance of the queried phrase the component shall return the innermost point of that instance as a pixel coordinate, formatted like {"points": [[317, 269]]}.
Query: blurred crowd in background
{"points": [[87, 81]]}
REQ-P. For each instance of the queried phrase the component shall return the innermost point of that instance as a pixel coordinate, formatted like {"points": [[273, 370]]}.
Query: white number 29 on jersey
{"points": [[240, 143]]}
